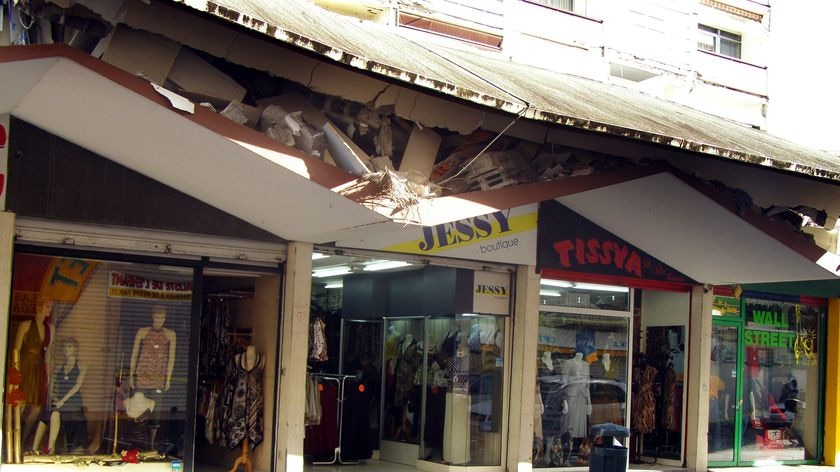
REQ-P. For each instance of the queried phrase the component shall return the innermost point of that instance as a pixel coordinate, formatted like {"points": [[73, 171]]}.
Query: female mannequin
{"points": [[32, 342], [153, 355], [66, 407], [246, 420], [577, 403], [152, 362]]}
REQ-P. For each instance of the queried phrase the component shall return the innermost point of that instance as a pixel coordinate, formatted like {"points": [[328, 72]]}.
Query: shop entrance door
{"points": [[725, 399]]}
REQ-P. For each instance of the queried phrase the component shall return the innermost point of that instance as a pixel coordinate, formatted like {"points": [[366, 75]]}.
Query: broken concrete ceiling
{"points": [[526, 91]]}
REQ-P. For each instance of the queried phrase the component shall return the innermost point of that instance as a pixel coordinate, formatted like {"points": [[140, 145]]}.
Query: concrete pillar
{"points": [[294, 344], [523, 369], [697, 391], [7, 239], [832, 385]]}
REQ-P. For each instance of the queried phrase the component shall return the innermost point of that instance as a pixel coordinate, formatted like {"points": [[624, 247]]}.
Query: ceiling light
{"points": [[602, 288], [338, 284], [319, 255], [382, 265], [556, 283], [331, 271]]}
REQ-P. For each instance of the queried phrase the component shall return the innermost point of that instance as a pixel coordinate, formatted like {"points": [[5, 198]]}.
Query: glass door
{"points": [[725, 402]]}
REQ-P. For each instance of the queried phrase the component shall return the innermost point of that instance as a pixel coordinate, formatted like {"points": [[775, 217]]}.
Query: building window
{"points": [[719, 41], [447, 29], [568, 5]]}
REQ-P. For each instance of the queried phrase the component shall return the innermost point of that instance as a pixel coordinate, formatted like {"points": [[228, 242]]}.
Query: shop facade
{"points": [[123, 330], [427, 328]]}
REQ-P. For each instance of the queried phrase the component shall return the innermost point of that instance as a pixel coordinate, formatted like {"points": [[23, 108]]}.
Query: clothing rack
{"points": [[339, 379]]}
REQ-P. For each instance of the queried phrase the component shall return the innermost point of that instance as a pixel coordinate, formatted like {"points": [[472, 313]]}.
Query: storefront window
{"points": [[582, 363], [781, 383], [98, 357], [465, 372]]}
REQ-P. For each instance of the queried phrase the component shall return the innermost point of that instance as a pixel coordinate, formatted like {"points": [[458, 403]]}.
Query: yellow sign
{"points": [[65, 278]]}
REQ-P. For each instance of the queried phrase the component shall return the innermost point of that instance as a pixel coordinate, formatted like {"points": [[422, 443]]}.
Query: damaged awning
{"points": [[697, 230], [189, 148], [529, 92], [701, 233]]}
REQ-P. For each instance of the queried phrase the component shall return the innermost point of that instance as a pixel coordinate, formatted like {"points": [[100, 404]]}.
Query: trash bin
{"points": [[606, 456]]}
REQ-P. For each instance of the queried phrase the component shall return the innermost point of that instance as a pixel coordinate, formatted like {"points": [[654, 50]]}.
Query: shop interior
{"points": [[420, 374], [237, 354]]}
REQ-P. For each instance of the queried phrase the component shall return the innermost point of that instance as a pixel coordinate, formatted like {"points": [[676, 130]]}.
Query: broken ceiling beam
{"points": [[147, 55], [197, 76], [421, 151], [345, 152]]}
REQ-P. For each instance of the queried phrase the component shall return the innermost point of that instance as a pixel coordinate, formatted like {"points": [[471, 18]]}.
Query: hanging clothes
{"points": [[313, 402], [318, 339], [355, 424], [323, 437], [408, 362], [246, 419], [668, 419], [644, 402]]}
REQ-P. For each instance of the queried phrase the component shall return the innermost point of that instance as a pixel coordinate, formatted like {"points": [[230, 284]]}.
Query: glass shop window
{"points": [[97, 360], [781, 387], [582, 370]]}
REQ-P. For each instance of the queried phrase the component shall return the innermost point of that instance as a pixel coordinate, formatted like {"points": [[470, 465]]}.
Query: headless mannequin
{"points": [[33, 410], [605, 359], [548, 362], [248, 360], [577, 359]]}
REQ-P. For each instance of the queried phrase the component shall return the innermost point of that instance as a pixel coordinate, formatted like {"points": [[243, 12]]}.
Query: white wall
{"points": [[803, 73]]}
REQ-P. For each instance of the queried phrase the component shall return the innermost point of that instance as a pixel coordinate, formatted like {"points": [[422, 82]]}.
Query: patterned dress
{"points": [[644, 403], [153, 360], [246, 415]]}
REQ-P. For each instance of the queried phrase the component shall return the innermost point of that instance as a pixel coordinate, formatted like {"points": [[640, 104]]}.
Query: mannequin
{"points": [[605, 359], [66, 406], [138, 406], [246, 424], [32, 342], [153, 355], [577, 403], [152, 362], [547, 361]]}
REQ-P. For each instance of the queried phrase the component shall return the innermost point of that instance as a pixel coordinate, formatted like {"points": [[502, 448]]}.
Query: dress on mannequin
{"points": [[578, 405]]}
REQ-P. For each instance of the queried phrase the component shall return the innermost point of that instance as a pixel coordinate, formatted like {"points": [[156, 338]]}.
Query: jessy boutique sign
{"points": [[508, 236]]}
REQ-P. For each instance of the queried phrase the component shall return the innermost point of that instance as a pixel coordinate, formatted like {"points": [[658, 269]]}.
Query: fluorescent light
{"points": [[602, 288], [338, 284], [583, 286], [331, 271], [319, 255], [382, 265], [555, 283], [549, 293]]}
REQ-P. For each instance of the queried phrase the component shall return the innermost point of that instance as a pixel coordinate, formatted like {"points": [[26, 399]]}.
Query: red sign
{"points": [[4, 158]]}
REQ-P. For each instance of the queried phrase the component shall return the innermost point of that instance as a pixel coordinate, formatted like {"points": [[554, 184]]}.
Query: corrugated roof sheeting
{"points": [[491, 81]]}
